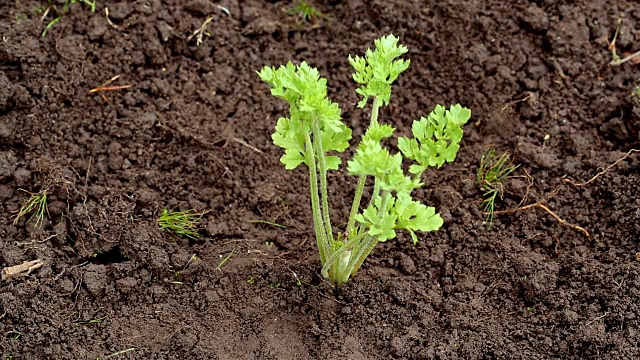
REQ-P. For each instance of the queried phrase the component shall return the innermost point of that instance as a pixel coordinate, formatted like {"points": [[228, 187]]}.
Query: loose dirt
{"points": [[193, 132]]}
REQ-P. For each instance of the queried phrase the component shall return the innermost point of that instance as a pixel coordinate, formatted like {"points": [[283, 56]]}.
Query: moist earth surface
{"points": [[185, 123]]}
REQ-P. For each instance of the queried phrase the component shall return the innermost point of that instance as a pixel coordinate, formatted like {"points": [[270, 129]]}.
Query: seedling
{"points": [[36, 205], [306, 12], [201, 32], [181, 223], [491, 173], [314, 128], [60, 12]]}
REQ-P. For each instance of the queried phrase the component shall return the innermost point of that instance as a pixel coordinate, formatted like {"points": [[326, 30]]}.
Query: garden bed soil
{"points": [[193, 132]]}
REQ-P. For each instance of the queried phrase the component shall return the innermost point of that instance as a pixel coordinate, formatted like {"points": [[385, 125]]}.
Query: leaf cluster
{"points": [[181, 223], [435, 138], [491, 173], [378, 69], [306, 92]]}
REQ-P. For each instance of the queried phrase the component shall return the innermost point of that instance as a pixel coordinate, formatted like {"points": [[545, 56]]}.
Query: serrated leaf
{"points": [[437, 137], [415, 216], [332, 162], [292, 159], [379, 69], [306, 92]]}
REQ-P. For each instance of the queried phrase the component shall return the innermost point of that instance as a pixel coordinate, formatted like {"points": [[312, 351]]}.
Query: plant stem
{"points": [[322, 167], [369, 242], [355, 206], [350, 244], [318, 224], [374, 111]]}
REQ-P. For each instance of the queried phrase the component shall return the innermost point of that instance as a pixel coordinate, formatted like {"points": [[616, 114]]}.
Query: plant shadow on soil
{"points": [[535, 75]]}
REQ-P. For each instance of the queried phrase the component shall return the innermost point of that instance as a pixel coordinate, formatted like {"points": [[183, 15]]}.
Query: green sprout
{"points": [[306, 12], [36, 205], [60, 12], [315, 128], [181, 223], [491, 173]]}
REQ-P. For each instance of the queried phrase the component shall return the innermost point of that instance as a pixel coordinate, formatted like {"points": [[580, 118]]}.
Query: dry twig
{"points": [[23, 269]]}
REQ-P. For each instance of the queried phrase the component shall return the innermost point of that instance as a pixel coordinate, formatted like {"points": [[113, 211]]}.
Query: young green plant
{"points": [[36, 205], [60, 12], [306, 12], [314, 129], [181, 223], [491, 173]]}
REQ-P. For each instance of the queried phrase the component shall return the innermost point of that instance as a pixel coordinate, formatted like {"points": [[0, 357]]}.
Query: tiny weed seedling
{"points": [[314, 129], [36, 205], [491, 173], [306, 12], [59, 12], [181, 223]]}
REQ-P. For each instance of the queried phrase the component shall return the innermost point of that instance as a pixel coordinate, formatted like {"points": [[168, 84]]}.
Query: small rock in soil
{"points": [[536, 18], [7, 166], [180, 259], [145, 121], [200, 7], [95, 279], [536, 155], [407, 266], [6, 192], [116, 162], [120, 11], [212, 296], [22, 177], [615, 129], [97, 27], [570, 316], [6, 91], [164, 30]]}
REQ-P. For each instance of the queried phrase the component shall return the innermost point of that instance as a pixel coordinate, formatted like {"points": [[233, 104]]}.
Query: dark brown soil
{"points": [[193, 131]]}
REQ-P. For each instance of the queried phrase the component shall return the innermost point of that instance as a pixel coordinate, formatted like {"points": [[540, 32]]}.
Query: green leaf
{"points": [[332, 162], [291, 159], [380, 222], [436, 138], [377, 132], [290, 136], [378, 69], [415, 216], [306, 92]]}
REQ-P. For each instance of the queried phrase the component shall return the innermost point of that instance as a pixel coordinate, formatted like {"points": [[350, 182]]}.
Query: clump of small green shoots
{"points": [[306, 12], [314, 128], [36, 205], [181, 223], [491, 173], [60, 12]]}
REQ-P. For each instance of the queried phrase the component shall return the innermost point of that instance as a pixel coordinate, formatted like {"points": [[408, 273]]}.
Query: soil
{"points": [[193, 132]]}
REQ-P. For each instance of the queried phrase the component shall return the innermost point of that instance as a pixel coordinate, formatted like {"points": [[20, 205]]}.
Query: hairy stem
{"points": [[355, 206], [369, 242], [329, 264], [322, 168], [318, 223]]}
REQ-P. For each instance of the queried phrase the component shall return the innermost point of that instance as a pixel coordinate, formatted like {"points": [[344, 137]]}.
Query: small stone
{"points": [[115, 162], [120, 11], [212, 296], [407, 266]]}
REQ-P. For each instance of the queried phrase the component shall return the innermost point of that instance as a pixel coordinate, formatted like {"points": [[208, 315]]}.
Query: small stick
{"points": [[23, 269], [603, 171], [545, 208], [106, 12], [110, 88], [242, 142], [617, 62]]}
